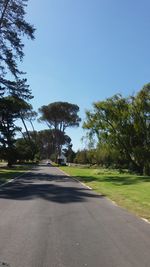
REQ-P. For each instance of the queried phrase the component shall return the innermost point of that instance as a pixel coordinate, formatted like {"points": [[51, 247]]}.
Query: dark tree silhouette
{"points": [[59, 116], [12, 28], [10, 109]]}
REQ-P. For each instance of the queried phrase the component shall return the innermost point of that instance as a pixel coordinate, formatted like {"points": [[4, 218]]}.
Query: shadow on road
{"points": [[49, 187]]}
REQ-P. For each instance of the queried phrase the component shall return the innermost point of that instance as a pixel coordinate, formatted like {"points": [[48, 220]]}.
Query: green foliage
{"points": [[41, 145], [60, 115], [10, 110], [103, 155], [107, 156], [81, 157], [48, 140], [123, 125], [24, 150]]}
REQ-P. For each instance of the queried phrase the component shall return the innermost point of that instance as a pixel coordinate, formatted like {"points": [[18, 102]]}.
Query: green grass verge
{"points": [[9, 173], [127, 190]]}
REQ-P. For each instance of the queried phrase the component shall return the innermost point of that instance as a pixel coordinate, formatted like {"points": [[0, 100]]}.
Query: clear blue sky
{"points": [[85, 51]]}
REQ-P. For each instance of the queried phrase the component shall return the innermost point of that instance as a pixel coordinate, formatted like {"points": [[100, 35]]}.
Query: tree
{"points": [[24, 150], [124, 124], [59, 116], [17, 88], [140, 111], [10, 109], [81, 157], [12, 28], [13, 88], [28, 114]]}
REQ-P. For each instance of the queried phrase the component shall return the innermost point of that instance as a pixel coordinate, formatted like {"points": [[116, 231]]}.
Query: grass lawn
{"points": [[127, 190], [9, 173]]}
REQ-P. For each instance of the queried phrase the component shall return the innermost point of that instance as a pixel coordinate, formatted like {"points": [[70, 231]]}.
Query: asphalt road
{"points": [[50, 220]]}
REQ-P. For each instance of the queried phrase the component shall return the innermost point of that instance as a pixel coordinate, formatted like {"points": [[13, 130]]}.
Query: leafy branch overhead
{"points": [[12, 28]]}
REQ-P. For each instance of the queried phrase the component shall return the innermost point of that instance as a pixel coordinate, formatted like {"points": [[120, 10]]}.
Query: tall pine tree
{"points": [[13, 27]]}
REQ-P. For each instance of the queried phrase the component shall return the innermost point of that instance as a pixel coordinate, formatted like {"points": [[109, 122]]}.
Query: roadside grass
{"points": [[9, 173], [129, 191]]}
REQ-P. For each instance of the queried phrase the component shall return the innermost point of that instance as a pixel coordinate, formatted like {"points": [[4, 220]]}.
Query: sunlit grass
{"points": [[127, 190]]}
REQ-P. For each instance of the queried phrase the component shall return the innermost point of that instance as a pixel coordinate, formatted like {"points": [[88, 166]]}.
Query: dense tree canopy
{"points": [[47, 141], [124, 123], [10, 109], [41, 145], [59, 116]]}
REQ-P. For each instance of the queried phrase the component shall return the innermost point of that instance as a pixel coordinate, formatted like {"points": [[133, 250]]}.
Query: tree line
{"points": [[52, 142], [117, 129]]}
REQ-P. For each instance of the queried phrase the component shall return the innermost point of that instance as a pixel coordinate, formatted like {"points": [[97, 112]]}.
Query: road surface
{"points": [[49, 220]]}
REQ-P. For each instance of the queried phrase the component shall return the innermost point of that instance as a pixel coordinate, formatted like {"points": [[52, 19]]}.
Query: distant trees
{"points": [[69, 153], [40, 146], [33, 145], [123, 124], [47, 140], [82, 157], [59, 116], [119, 126], [24, 150]]}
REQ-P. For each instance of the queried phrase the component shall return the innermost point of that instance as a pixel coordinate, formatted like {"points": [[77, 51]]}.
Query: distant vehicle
{"points": [[62, 160], [48, 163]]}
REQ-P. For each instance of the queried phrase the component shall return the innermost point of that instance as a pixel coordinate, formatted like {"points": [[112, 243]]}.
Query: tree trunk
{"points": [[9, 164], [25, 127]]}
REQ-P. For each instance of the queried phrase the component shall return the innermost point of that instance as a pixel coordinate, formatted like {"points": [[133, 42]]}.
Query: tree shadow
{"points": [[7, 173], [116, 180], [49, 187]]}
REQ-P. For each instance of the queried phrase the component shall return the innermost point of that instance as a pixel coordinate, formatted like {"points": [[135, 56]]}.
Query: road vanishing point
{"points": [[47, 219]]}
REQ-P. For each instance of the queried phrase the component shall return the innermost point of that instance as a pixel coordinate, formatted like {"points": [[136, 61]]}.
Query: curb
{"points": [[145, 220]]}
